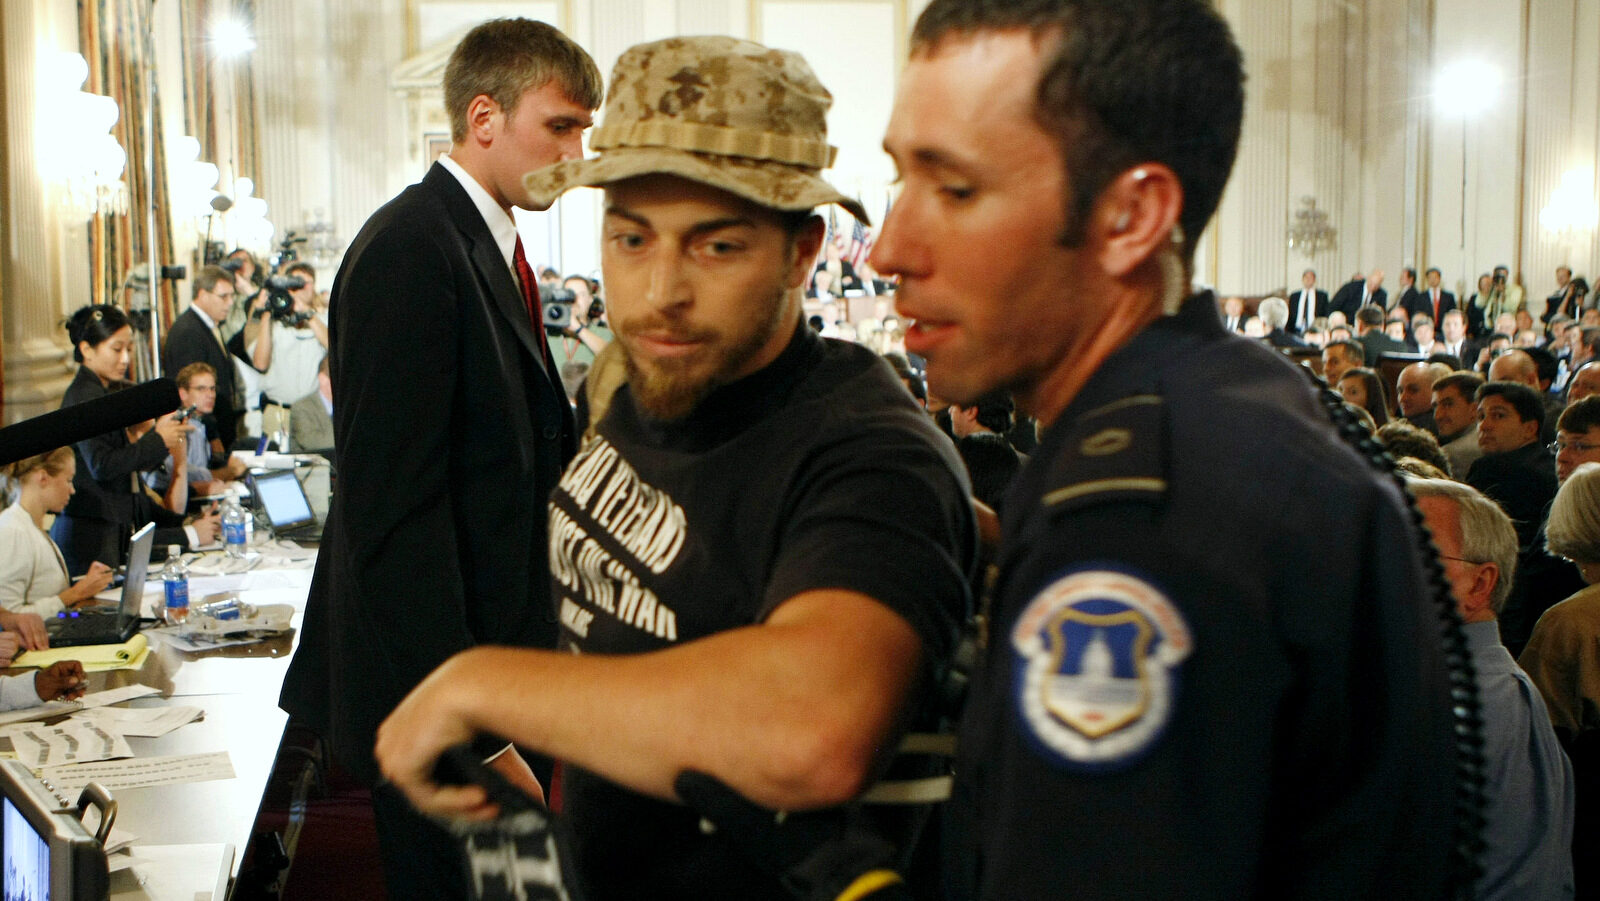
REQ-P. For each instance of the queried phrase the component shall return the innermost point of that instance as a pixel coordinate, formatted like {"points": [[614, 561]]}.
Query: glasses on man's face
{"points": [[1582, 447]]}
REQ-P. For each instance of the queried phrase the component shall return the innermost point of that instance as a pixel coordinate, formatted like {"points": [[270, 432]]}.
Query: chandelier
{"points": [[1309, 231]]}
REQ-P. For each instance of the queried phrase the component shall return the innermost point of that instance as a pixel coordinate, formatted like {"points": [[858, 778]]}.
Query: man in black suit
{"points": [[194, 338], [1307, 304], [1433, 302], [1407, 292], [451, 427], [1359, 291]]}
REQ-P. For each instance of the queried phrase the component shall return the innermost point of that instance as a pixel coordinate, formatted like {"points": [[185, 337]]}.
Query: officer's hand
{"points": [[420, 729]]}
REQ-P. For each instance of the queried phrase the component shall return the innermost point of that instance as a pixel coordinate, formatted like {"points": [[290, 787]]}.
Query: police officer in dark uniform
{"points": [[1212, 668]]}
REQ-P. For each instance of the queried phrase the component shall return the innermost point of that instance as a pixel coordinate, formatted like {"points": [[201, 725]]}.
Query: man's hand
{"points": [[174, 434], [410, 741], [92, 583], [231, 471], [207, 526], [62, 680], [29, 627]]}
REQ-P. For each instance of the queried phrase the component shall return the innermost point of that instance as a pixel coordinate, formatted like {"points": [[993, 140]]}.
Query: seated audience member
{"points": [[992, 413], [1454, 335], [1254, 327], [842, 275], [1577, 436], [1362, 387], [1423, 340], [991, 464], [1420, 468], [1315, 336], [1374, 342], [33, 577], [1402, 439], [1415, 390], [909, 377], [1517, 473], [1563, 659], [1274, 313], [1523, 366], [1396, 327], [311, 417], [1339, 357], [1233, 314], [1585, 382], [1528, 814], [1495, 345], [1455, 414], [1337, 333], [197, 389]]}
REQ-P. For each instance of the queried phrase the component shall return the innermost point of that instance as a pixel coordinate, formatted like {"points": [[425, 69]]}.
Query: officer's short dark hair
{"points": [[1353, 351], [1581, 415], [1402, 439], [1464, 383], [1127, 82], [1523, 399]]}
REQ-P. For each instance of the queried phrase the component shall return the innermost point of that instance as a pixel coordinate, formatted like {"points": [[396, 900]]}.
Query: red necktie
{"points": [[1435, 304], [530, 295]]}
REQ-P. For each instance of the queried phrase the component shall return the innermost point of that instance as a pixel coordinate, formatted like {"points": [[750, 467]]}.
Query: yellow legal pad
{"points": [[96, 658]]}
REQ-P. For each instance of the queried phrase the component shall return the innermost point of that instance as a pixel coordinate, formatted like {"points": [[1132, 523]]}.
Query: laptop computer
{"points": [[279, 495], [71, 628]]}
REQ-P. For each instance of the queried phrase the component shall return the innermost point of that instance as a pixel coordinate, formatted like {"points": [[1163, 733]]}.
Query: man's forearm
{"points": [[791, 714]]}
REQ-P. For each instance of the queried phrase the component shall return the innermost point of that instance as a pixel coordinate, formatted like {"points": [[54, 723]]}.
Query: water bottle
{"points": [[235, 526], [175, 579]]}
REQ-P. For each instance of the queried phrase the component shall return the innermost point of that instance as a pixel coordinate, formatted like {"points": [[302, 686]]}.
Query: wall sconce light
{"points": [[78, 156]]}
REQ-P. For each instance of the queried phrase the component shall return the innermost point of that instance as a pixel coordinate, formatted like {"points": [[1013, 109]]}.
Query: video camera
{"points": [[557, 303], [280, 303]]}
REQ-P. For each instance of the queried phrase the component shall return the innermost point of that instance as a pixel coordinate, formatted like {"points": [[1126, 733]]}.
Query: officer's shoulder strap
{"points": [[1113, 452], [608, 373]]}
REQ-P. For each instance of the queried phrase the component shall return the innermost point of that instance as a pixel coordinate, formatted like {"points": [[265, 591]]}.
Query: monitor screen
{"points": [[27, 858], [284, 500]]}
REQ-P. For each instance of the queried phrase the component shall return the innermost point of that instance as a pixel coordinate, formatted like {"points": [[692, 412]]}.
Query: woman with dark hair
{"points": [[97, 521], [1362, 387]]}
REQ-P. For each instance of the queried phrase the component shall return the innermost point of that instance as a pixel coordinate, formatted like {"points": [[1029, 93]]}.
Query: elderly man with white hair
{"points": [[1274, 313], [1529, 790]]}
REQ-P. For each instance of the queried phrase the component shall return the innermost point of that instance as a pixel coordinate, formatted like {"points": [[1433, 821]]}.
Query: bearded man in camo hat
{"points": [[762, 551]]}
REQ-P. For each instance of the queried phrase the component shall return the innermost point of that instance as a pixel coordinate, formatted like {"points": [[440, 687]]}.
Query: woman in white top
{"points": [[33, 576]]}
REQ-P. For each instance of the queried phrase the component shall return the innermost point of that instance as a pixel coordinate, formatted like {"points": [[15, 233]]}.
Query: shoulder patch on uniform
{"points": [[1096, 659], [1112, 453]]}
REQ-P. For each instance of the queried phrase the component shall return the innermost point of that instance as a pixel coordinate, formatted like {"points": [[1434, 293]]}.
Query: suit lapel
{"points": [[486, 258]]}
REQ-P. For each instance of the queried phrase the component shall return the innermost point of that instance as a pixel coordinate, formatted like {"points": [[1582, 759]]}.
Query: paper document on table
{"points": [[144, 722], [41, 711], [140, 772], [117, 695], [74, 741]]}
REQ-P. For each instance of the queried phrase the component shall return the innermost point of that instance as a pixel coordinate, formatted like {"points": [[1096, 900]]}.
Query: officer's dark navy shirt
{"points": [[1212, 666]]}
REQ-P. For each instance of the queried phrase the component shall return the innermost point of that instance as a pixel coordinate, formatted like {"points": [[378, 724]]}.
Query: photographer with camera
{"points": [[575, 316], [295, 343]]}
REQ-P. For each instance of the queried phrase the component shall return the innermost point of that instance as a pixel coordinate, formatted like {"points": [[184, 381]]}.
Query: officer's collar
{"points": [[1134, 367]]}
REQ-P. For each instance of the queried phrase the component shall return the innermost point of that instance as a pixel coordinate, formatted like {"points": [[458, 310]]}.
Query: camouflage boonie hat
{"points": [[716, 110]]}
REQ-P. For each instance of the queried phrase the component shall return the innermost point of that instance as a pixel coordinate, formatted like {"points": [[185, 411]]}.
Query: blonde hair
{"points": [[11, 474]]}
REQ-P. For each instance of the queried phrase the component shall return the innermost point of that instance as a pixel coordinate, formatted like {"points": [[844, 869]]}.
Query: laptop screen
{"points": [[138, 570], [283, 499]]}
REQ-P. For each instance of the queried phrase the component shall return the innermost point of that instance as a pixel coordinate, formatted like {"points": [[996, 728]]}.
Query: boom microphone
{"points": [[79, 422]]}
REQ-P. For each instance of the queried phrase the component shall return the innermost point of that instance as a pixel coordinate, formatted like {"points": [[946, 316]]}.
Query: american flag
{"points": [[861, 239]]}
